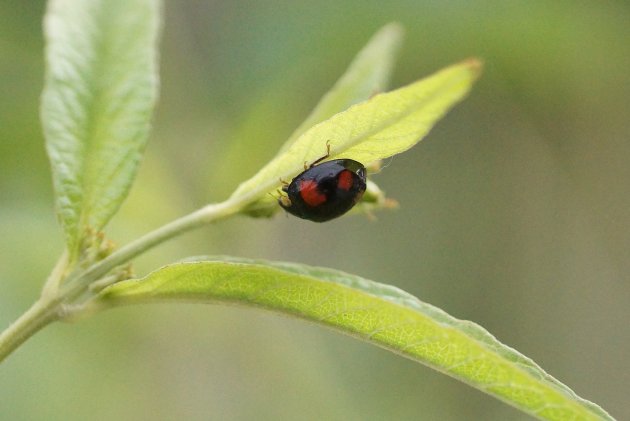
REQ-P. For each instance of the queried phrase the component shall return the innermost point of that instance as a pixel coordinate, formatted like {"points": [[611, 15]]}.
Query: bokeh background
{"points": [[514, 213]]}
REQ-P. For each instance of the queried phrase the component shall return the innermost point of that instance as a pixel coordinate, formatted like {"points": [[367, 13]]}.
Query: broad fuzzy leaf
{"points": [[377, 313], [101, 87], [378, 128]]}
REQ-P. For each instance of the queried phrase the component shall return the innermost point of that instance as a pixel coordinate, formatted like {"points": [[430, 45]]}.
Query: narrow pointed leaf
{"points": [[100, 90], [378, 128], [379, 314], [367, 75]]}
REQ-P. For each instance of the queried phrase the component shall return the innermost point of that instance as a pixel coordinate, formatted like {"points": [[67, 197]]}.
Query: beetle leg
{"points": [[317, 161]]}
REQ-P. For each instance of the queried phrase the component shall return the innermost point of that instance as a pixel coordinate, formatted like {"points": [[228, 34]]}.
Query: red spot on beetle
{"points": [[345, 180], [310, 193]]}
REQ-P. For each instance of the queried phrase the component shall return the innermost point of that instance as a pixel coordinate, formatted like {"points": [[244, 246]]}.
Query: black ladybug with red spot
{"points": [[325, 191]]}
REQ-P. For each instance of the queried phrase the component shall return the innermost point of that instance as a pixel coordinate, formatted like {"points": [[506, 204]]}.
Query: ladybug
{"points": [[324, 191]]}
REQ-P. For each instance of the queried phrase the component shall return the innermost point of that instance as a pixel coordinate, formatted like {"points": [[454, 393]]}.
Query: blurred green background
{"points": [[514, 213]]}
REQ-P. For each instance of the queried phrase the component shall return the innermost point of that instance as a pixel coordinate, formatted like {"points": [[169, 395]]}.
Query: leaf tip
{"points": [[475, 65], [393, 29]]}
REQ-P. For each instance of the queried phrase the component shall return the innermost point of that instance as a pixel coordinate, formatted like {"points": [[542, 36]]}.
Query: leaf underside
{"points": [[382, 126], [100, 90], [368, 74], [380, 314]]}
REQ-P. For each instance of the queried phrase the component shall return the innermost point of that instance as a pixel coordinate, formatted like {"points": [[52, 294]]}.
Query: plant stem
{"points": [[205, 215], [46, 309], [51, 287], [41, 313]]}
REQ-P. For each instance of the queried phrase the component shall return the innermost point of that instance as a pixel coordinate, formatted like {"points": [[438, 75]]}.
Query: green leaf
{"points": [[368, 74], [378, 128], [380, 314], [100, 90]]}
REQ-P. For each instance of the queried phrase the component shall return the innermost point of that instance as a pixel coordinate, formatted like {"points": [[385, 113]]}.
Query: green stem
{"points": [[42, 312], [47, 308], [51, 287], [205, 215]]}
